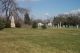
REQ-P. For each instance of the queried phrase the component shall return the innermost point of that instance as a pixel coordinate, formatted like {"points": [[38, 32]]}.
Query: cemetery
{"points": [[54, 39], [23, 32]]}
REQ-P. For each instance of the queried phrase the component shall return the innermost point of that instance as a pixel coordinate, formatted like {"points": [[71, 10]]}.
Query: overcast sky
{"points": [[41, 8]]}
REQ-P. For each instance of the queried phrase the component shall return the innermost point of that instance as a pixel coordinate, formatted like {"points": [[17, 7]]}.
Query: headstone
{"points": [[77, 26], [40, 24], [12, 22], [50, 24], [60, 24], [63, 26]]}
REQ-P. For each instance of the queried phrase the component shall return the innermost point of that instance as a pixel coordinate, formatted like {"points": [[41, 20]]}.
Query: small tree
{"points": [[27, 18], [2, 24], [34, 25], [8, 24], [44, 26], [18, 24]]}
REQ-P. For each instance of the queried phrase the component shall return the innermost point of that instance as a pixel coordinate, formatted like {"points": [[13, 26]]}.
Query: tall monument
{"points": [[12, 22]]}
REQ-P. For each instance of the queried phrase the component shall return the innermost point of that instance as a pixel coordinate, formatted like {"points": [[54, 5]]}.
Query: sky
{"points": [[43, 8]]}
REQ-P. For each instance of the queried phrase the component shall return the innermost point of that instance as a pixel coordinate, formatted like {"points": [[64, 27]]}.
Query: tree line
{"points": [[67, 20]]}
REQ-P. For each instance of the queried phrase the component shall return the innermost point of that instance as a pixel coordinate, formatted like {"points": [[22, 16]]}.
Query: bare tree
{"points": [[7, 7]]}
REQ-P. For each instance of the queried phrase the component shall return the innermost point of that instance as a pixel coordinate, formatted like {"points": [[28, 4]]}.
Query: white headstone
{"points": [[63, 26], [40, 24], [12, 22], [77, 26], [60, 24], [50, 24]]}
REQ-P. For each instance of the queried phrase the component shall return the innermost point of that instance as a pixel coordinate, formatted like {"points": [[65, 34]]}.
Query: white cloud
{"points": [[47, 14], [72, 11]]}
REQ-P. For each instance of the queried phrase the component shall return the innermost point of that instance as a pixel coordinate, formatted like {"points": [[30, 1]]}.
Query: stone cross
{"points": [[12, 22]]}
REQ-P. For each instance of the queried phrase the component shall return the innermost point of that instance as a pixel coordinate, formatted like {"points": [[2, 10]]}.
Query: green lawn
{"points": [[23, 40]]}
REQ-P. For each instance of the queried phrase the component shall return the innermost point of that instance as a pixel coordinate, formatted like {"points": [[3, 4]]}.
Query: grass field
{"points": [[25, 40]]}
